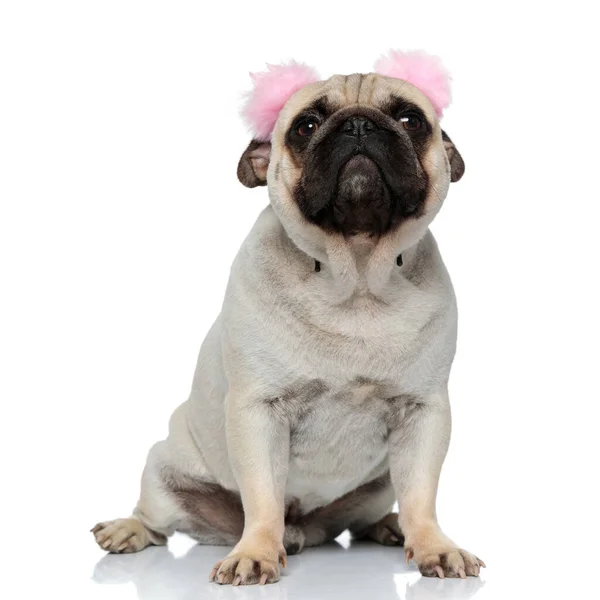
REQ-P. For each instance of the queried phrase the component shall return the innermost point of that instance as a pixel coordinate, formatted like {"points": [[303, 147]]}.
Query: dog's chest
{"points": [[338, 441], [365, 339]]}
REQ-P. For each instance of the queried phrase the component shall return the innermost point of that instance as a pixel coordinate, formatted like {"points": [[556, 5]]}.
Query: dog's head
{"points": [[357, 154]]}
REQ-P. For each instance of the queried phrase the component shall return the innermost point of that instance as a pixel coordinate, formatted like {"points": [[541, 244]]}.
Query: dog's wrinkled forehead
{"points": [[415, 76], [343, 91]]}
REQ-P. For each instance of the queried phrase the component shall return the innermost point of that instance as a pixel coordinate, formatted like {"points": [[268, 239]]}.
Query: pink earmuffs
{"points": [[274, 87]]}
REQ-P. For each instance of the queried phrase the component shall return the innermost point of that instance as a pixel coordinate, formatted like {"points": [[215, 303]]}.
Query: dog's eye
{"points": [[411, 122], [307, 128]]}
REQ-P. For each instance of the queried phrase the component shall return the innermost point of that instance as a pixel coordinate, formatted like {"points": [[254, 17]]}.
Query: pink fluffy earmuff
{"points": [[272, 89], [425, 71], [275, 86]]}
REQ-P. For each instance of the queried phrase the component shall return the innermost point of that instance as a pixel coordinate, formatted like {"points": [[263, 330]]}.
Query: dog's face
{"points": [[356, 155]]}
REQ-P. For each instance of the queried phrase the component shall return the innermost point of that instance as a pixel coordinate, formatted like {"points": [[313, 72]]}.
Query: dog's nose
{"points": [[358, 126]]}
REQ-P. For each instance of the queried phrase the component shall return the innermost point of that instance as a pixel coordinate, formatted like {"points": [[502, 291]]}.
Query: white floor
{"points": [[340, 570], [54, 556], [359, 571]]}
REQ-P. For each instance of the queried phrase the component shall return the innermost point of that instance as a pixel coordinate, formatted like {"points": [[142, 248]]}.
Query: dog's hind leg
{"points": [[155, 517], [213, 514], [122, 536], [385, 532]]}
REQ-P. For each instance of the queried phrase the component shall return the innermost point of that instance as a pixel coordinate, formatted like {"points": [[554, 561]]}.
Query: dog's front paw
{"points": [[249, 564], [445, 562]]}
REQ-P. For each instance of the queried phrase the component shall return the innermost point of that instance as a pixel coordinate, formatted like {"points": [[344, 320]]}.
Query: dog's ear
{"points": [[457, 164], [252, 168]]}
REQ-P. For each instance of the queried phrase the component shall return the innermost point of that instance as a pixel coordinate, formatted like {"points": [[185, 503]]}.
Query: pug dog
{"points": [[320, 396]]}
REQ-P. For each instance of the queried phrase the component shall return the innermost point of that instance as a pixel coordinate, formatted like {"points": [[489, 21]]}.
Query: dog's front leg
{"points": [[258, 440], [418, 443]]}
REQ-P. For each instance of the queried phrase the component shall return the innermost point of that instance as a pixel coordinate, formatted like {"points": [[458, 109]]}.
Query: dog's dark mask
{"points": [[361, 171]]}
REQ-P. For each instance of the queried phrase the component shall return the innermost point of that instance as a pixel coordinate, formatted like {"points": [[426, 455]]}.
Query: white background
{"points": [[121, 213]]}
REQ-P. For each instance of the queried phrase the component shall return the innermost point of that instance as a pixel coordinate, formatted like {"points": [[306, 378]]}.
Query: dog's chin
{"points": [[362, 202]]}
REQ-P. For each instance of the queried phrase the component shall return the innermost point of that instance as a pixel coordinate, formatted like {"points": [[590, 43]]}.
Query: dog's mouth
{"points": [[362, 201], [357, 178]]}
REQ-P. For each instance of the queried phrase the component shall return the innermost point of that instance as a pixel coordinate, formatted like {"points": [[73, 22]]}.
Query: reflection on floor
{"points": [[339, 570]]}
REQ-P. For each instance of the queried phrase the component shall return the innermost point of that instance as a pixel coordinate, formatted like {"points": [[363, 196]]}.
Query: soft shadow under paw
{"points": [[427, 588]]}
